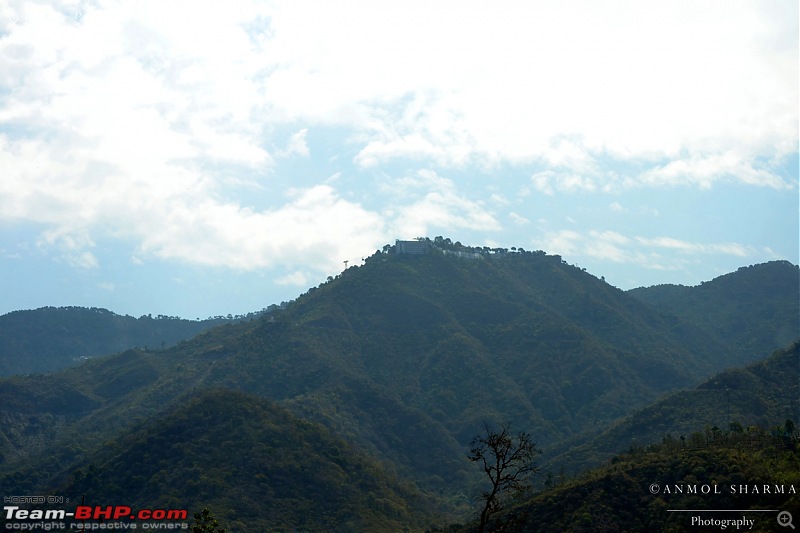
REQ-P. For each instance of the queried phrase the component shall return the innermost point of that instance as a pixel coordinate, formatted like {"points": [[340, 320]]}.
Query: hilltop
{"points": [[51, 338], [401, 358], [751, 308]]}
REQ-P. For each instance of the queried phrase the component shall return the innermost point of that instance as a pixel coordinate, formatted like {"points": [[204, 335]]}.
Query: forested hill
{"points": [[52, 338], [403, 358], [755, 308], [259, 466], [762, 394], [468, 338]]}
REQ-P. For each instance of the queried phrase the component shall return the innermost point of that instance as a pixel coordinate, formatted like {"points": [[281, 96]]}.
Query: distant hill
{"points": [[761, 394], [403, 358], [755, 308], [52, 338]]}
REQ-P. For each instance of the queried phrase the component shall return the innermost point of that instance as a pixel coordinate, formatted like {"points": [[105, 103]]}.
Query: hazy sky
{"points": [[204, 158]]}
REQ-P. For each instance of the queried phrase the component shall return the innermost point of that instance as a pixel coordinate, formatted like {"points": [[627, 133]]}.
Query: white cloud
{"points": [[81, 259], [608, 246], [73, 245], [563, 242], [543, 181], [133, 119], [499, 199], [315, 228], [518, 219], [692, 247], [663, 253], [297, 145], [426, 201], [675, 78], [176, 214], [549, 181], [295, 279], [704, 171], [701, 171], [648, 79]]}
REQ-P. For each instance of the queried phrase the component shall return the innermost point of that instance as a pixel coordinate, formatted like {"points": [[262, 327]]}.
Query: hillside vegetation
{"points": [[400, 360], [260, 466], [648, 489], [761, 394], [747, 307], [51, 338]]}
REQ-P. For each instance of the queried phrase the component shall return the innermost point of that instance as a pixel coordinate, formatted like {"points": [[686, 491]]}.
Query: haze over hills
{"points": [[51, 338], [744, 307], [401, 358], [725, 444], [764, 394]]}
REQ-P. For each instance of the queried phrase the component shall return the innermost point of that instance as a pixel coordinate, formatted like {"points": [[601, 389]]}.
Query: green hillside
{"points": [[760, 394], [402, 358], [755, 308], [726, 477], [259, 466], [52, 338]]}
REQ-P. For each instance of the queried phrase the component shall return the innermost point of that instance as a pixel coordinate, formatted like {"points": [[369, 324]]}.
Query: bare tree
{"points": [[508, 460], [206, 523]]}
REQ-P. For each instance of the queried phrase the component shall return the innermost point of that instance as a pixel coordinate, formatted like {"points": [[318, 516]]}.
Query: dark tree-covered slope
{"points": [[261, 467], [755, 309], [760, 394], [716, 478], [403, 358], [52, 338]]}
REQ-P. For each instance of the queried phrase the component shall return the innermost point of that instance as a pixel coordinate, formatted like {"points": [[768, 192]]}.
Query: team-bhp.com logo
{"points": [[123, 517], [97, 512]]}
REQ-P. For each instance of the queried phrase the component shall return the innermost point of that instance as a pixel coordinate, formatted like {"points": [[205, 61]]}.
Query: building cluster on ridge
{"points": [[447, 247]]}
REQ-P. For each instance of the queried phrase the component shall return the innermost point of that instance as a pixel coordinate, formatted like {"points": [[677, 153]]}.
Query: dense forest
{"points": [[225, 449], [51, 338], [744, 306], [354, 405], [760, 394]]}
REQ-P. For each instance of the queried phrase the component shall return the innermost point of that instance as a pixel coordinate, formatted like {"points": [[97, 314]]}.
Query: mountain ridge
{"points": [[740, 306], [403, 357], [760, 394], [51, 338]]}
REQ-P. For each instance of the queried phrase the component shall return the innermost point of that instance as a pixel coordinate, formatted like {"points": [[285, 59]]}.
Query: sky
{"points": [[201, 158]]}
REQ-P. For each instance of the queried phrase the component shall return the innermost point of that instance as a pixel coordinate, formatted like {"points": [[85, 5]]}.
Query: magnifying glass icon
{"points": [[785, 519]]}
